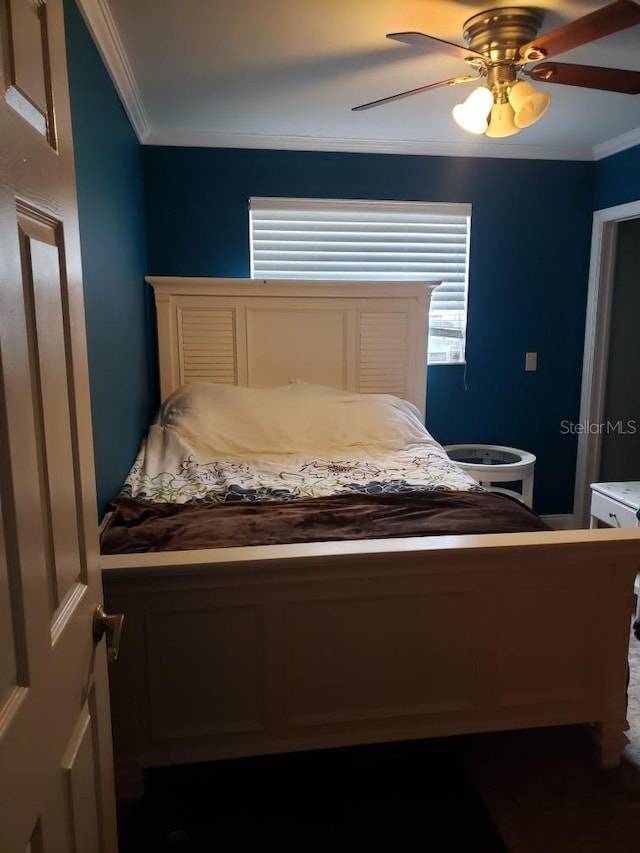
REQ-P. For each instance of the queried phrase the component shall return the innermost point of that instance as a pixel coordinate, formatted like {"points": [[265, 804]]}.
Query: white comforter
{"points": [[202, 447]]}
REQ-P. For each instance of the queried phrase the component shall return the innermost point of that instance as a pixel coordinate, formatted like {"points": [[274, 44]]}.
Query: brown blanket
{"points": [[137, 526]]}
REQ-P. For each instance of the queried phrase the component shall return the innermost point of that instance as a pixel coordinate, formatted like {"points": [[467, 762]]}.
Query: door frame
{"points": [[596, 349]]}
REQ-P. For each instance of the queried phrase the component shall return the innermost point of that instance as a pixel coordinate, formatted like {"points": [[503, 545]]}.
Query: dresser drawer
{"points": [[612, 513]]}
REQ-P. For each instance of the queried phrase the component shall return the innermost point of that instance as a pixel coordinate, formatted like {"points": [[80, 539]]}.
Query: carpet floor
{"points": [[392, 797], [546, 792]]}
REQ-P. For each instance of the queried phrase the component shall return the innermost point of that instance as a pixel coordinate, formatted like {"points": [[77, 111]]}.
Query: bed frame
{"points": [[246, 651]]}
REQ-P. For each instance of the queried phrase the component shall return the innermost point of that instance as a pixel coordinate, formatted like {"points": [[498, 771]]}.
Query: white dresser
{"points": [[615, 504]]}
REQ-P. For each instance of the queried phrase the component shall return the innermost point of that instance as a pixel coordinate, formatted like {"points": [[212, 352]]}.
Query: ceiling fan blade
{"points": [[603, 22], [453, 81], [430, 43], [587, 76]]}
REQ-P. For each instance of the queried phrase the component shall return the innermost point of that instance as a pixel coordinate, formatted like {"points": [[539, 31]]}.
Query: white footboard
{"points": [[246, 651]]}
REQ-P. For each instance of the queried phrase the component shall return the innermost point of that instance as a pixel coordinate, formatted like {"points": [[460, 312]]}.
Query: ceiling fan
{"points": [[501, 44]]}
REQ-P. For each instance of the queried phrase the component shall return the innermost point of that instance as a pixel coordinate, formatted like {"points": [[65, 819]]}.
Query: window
{"points": [[371, 240]]}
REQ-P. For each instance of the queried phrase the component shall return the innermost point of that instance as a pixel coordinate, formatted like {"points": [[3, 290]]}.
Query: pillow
{"points": [[301, 387], [295, 418]]}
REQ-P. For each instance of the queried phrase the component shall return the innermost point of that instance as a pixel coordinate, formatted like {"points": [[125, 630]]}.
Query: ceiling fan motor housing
{"points": [[498, 34]]}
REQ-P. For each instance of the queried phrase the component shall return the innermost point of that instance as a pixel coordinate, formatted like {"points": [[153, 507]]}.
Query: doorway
{"points": [[620, 440], [600, 302]]}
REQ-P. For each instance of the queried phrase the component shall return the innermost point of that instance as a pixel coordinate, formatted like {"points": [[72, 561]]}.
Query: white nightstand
{"points": [[617, 505], [492, 463]]}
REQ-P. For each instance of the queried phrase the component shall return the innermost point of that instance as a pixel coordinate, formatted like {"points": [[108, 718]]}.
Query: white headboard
{"points": [[368, 337]]}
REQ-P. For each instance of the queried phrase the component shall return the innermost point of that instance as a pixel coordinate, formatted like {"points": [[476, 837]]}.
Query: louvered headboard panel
{"points": [[365, 337], [207, 344]]}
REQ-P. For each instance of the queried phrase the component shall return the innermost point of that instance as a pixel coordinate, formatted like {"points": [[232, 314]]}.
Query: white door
{"points": [[56, 774]]}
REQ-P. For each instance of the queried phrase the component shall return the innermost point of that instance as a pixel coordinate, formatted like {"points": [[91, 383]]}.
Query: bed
{"points": [[240, 650]]}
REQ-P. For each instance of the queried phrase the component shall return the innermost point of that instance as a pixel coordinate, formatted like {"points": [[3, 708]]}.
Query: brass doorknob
{"points": [[109, 626]]}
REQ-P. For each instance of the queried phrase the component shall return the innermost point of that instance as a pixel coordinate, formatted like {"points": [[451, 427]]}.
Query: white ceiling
{"points": [[286, 73]]}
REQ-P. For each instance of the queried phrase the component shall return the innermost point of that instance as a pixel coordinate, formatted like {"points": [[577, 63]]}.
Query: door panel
{"points": [[78, 765], [26, 63], [56, 774], [8, 658], [49, 356]]}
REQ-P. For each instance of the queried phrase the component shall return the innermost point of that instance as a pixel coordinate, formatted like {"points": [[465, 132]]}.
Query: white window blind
{"points": [[367, 241]]}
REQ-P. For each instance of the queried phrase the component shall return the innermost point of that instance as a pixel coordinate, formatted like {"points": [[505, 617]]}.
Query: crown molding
{"points": [[102, 27], [619, 143], [205, 139]]}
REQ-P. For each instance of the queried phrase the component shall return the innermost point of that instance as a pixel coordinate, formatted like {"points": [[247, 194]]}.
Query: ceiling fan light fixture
{"points": [[529, 104], [500, 41], [501, 121], [473, 114]]}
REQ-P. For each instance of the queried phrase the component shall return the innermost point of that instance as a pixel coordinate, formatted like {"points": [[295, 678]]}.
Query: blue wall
{"points": [[531, 232], [111, 209], [617, 179]]}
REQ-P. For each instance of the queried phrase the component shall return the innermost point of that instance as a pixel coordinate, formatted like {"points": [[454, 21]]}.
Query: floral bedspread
{"points": [[181, 477]]}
